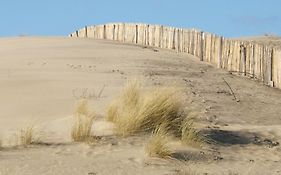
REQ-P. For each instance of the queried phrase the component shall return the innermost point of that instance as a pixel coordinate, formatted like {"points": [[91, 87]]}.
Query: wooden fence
{"points": [[259, 61]]}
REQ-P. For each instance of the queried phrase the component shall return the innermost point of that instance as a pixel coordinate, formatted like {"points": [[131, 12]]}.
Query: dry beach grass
{"points": [[189, 135], [83, 122], [158, 144], [28, 136], [139, 111], [158, 109]]}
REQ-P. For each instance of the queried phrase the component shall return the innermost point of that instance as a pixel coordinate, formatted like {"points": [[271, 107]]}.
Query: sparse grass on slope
{"points": [[157, 145], [81, 130]]}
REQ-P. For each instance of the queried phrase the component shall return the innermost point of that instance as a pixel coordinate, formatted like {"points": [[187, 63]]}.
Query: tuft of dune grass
{"points": [[27, 136], [81, 129], [123, 110], [157, 145], [127, 103], [189, 135], [160, 106], [112, 111], [131, 94], [135, 111]]}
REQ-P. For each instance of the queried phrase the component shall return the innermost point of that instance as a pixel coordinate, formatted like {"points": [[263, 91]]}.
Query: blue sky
{"points": [[230, 18]]}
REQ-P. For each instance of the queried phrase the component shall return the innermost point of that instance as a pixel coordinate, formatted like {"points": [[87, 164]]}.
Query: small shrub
{"points": [[81, 130], [157, 145]]}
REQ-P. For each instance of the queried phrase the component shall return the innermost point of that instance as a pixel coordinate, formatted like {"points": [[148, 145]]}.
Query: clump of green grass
{"points": [[81, 129], [157, 145]]}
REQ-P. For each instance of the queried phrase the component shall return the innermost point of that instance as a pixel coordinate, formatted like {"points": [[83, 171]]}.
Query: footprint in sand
{"points": [[63, 151], [30, 63], [135, 160]]}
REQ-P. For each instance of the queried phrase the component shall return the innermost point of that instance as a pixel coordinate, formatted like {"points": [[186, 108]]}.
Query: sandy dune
{"points": [[267, 39], [42, 78]]}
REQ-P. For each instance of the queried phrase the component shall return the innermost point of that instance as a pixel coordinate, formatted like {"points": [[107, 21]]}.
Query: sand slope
{"points": [[41, 79]]}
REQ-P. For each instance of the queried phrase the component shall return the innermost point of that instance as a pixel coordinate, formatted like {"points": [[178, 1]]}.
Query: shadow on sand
{"points": [[228, 138]]}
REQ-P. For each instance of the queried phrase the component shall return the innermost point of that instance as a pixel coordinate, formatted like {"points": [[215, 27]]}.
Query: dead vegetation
{"points": [[123, 111], [189, 135], [112, 111], [81, 129], [157, 146], [27, 136], [87, 93], [161, 106], [137, 110]]}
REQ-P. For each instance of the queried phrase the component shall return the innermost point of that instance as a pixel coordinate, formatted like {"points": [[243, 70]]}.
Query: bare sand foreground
{"points": [[42, 78]]}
